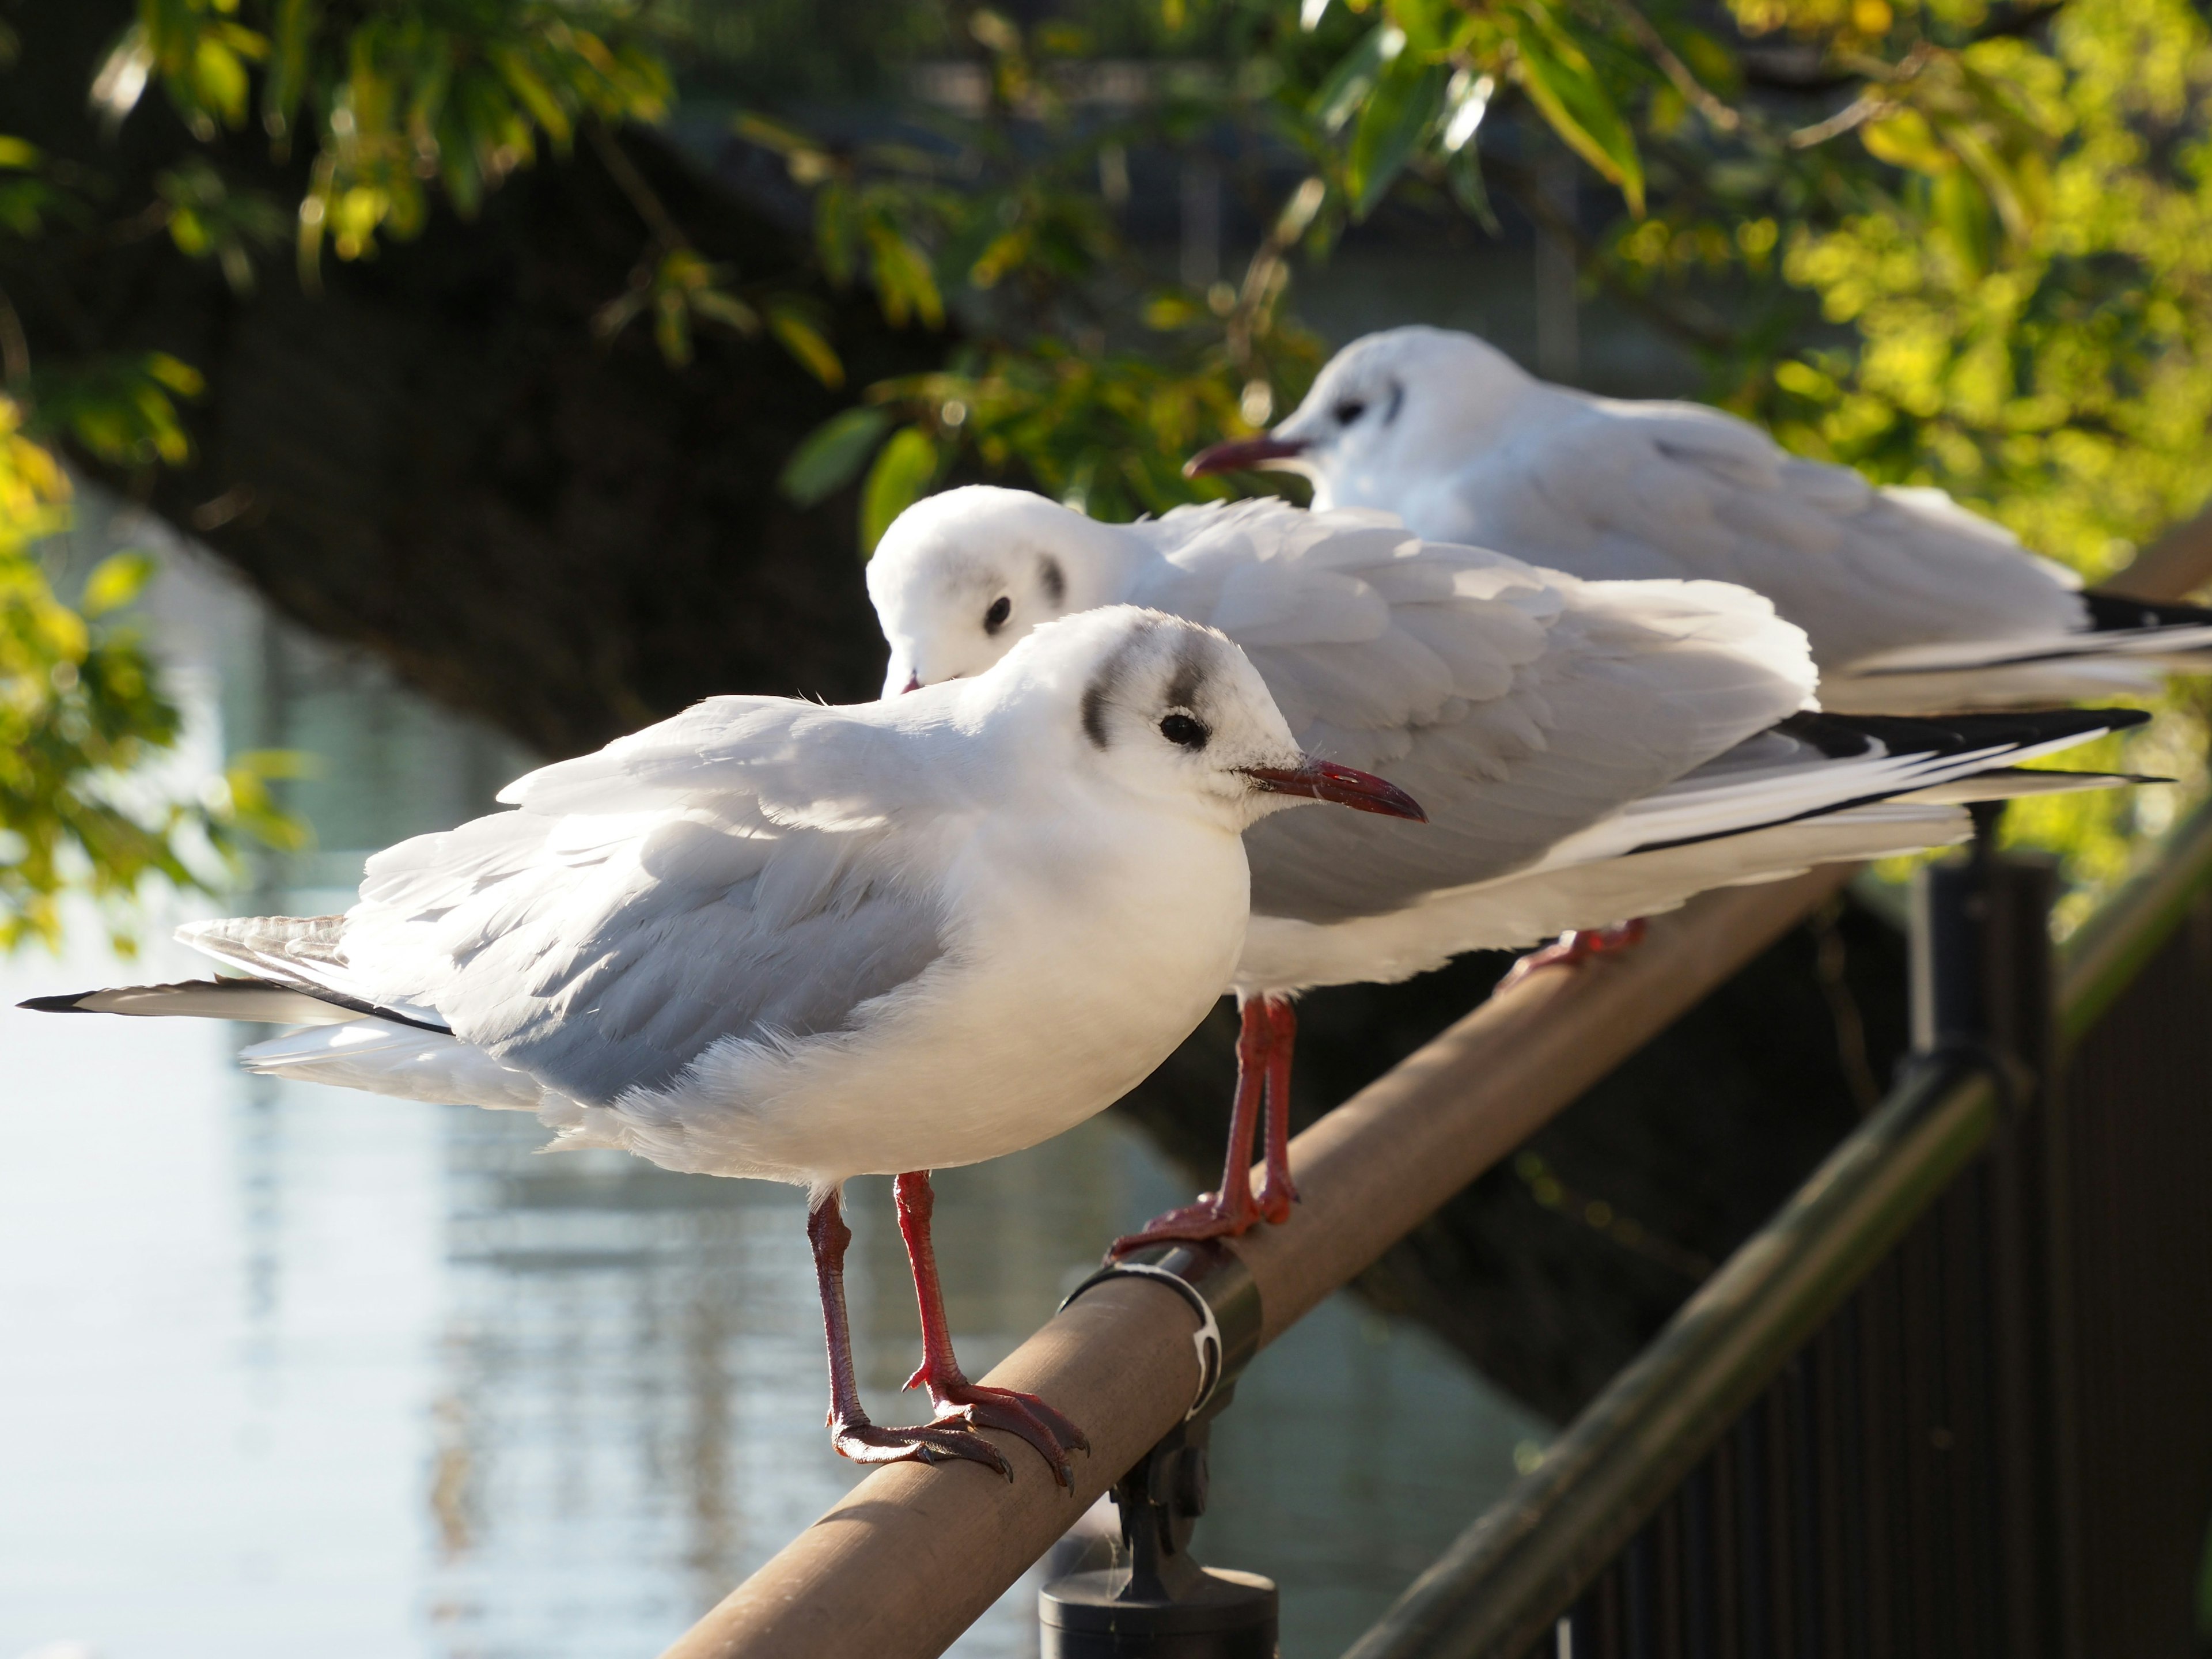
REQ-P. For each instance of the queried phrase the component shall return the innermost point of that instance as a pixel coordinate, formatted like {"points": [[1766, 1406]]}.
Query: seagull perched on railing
{"points": [[800, 944], [1586, 751], [1913, 603]]}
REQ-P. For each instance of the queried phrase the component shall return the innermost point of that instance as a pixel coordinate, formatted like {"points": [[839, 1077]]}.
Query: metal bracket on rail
{"points": [[1145, 1593], [1220, 1290]]}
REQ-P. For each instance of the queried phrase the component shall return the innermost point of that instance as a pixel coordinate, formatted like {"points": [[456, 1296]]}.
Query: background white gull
{"points": [[1913, 603]]}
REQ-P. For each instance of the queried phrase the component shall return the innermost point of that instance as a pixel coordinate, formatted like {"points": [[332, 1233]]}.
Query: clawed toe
{"points": [[1191, 1224], [933, 1442], [1052, 1434]]}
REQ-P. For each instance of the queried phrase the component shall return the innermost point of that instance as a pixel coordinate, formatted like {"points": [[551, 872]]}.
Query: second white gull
{"points": [[1587, 751]]}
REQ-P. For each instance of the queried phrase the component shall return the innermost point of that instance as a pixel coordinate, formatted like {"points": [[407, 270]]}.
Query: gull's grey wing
{"points": [[1608, 490], [679, 888], [1517, 706]]}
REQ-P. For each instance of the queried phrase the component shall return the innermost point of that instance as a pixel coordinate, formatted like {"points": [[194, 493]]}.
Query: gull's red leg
{"points": [[1278, 1192], [1230, 1211], [1576, 946], [850, 1431], [958, 1400]]}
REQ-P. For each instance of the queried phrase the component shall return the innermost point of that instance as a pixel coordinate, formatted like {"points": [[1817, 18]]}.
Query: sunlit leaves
{"points": [[417, 93], [1561, 80], [676, 288], [2032, 324], [904, 469], [122, 410], [1401, 108], [80, 708], [208, 219]]}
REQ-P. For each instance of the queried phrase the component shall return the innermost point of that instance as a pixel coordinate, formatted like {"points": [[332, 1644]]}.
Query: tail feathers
{"points": [[2183, 641], [255, 1000], [1846, 736], [1815, 765], [266, 1000], [2017, 782]]}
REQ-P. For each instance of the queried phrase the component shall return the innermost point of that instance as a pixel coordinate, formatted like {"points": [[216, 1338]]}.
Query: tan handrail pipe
{"points": [[914, 1554]]}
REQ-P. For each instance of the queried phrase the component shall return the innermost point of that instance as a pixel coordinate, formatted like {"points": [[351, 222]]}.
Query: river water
{"points": [[290, 1370]]}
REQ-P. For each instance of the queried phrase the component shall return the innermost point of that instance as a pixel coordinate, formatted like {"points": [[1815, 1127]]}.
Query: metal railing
{"points": [[1865, 1435]]}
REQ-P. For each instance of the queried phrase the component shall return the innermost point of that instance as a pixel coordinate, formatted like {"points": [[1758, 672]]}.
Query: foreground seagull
{"points": [[800, 944], [1913, 603], [1586, 750]]}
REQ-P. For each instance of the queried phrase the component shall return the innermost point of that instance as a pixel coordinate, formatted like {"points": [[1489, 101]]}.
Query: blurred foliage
{"points": [[80, 708], [1951, 242]]}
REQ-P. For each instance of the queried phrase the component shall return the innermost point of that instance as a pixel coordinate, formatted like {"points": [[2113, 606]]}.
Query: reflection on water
{"points": [[290, 1369]]}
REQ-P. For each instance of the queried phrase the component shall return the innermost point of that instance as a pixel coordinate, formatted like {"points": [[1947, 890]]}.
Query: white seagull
{"points": [[1586, 751], [773, 939], [1913, 603]]}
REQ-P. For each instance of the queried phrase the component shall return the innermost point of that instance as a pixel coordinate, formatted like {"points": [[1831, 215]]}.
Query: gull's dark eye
{"points": [[995, 617], [1184, 731], [1349, 411]]}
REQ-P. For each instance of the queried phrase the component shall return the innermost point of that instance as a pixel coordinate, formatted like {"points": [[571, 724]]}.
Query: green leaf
{"points": [[179, 377], [17, 153], [1404, 106], [831, 456], [806, 342], [905, 285], [1561, 82], [1464, 173], [1348, 85], [1905, 140], [903, 470], [115, 581]]}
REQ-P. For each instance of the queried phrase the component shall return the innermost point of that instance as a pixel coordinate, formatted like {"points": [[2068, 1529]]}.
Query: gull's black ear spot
{"points": [[1184, 731], [1106, 686], [1094, 713], [1397, 401], [995, 617], [1051, 579]]}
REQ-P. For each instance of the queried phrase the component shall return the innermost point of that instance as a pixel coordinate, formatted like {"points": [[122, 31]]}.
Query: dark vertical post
{"points": [[1982, 980]]}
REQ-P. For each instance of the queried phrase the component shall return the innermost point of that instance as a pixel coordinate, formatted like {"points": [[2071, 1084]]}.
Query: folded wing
{"points": [[1518, 706], [683, 887], [1642, 489]]}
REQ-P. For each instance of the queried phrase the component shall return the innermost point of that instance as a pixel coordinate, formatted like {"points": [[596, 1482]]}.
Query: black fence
{"points": [[1956, 1399]]}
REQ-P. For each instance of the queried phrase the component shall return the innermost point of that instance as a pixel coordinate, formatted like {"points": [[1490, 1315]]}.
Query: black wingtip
{"points": [[67, 1004], [2121, 613], [1840, 736]]}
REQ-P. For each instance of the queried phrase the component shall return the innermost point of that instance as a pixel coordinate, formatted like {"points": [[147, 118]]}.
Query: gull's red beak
{"points": [[1242, 455], [1320, 780], [913, 684]]}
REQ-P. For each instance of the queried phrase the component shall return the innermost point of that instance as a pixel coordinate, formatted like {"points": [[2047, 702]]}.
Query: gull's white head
{"points": [[959, 578], [1171, 712], [1390, 414]]}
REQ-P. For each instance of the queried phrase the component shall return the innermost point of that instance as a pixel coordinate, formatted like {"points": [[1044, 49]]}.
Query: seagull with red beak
{"points": [[1586, 751], [772, 939], [1912, 604]]}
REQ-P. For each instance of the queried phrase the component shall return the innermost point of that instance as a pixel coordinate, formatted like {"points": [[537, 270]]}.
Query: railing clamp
{"points": [[1147, 1597], [1221, 1291]]}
